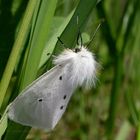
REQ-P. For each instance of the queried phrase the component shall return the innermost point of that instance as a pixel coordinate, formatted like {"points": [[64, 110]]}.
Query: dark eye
{"points": [[76, 50]]}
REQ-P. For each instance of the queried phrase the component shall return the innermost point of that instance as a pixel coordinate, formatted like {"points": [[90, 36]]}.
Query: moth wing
{"points": [[42, 104]]}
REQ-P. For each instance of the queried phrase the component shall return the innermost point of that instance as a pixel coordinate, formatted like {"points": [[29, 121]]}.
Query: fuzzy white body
{"points": [[81, 66], [42, 104]]}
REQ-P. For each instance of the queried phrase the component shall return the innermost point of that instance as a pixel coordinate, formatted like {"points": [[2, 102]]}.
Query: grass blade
{"points": [[18, 45]]}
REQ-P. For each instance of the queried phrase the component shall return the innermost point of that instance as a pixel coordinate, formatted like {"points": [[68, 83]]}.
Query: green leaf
{"points": [[3, 123], [38, 41], [58, 26], [83, 11], [42, 27], [18, 46]]}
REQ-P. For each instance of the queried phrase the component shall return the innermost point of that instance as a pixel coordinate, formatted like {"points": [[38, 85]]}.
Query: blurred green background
{"points": [[28, 38]]}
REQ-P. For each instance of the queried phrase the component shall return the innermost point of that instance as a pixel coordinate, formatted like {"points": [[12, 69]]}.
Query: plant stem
{"points": [[114, 95]]}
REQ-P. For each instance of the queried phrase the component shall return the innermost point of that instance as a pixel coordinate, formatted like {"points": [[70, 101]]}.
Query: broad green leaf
{"points": [[36, 46], [18, 46], [83, 11], [58, 26], [42, 27], [3, 123]]}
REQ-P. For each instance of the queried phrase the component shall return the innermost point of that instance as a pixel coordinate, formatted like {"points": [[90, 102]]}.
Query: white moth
{"points": [[42, 104]]}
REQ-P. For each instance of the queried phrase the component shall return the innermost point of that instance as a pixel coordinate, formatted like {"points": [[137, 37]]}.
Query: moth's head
{"points": [[82, 52], [79, 64], [83, 67], [76, 50]]}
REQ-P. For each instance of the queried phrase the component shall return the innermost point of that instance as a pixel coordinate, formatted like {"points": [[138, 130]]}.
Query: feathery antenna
{"points": [[79, 36], [99, 25], [64, 45]]}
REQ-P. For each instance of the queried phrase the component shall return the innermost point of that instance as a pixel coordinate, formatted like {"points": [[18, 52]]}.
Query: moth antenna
{"points": [[99, 25], [64, 45], [79, 36], [77, 19]]}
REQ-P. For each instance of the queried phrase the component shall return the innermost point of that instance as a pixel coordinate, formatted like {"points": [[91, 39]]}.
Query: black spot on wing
{"points": [[61, 107], [64, 97], [60, 78], [41, 98]]}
